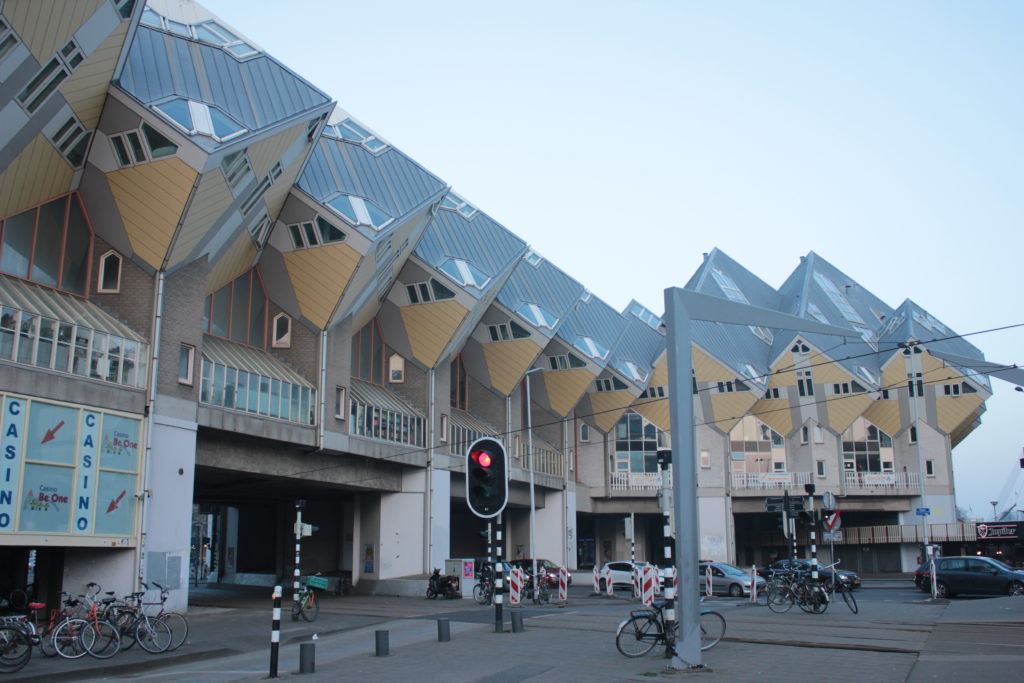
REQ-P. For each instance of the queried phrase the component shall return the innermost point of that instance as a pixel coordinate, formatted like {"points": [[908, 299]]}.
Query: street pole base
{"points": [[685, 668]]}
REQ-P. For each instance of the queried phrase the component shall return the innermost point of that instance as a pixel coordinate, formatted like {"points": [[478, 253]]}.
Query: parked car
{"points": [[851, 579], [972, 574], [726, 579], [545, 568], [622, 574]]}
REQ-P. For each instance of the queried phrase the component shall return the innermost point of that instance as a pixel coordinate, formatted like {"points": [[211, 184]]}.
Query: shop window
{"points": [[49, 245]]}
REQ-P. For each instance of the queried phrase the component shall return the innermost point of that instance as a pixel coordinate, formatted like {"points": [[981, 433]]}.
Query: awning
{"points": [[379, 397], [50, 303], [217, 350]]}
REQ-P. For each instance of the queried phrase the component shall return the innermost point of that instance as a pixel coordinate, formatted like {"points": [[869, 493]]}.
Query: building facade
{"points": [[221, 294]]}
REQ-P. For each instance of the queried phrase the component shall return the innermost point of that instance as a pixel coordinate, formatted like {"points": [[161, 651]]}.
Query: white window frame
{"points": [[189, 378], [705, 459], [285, 340], [340, 409], [805, 434], [819, 468], [61, 65], [396, 369], [100, 289], [819, 434], [443, 435], [584, 432]]}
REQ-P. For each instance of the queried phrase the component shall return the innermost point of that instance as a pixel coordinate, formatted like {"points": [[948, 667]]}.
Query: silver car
{"points": [[725, 579]]}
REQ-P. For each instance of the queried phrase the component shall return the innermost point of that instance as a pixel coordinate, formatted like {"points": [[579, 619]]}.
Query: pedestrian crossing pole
{"points": [[275, 632], [665, 461], [813, 532], [499, 584], [300, 505]]}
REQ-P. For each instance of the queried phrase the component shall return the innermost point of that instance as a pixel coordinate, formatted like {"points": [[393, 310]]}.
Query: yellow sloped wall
{"points": [[38, 173], [608, 407], [319, 277], [430, 327], [236, 259], [508, 361], [565, 387], [86, 89], [46, 26]]}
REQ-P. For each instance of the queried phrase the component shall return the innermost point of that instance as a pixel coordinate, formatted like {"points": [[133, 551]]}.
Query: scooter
{"points": [[447, 586]]}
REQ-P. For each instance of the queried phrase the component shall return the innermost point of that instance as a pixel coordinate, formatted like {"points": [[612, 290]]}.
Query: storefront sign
{"points": [[999, 531]]}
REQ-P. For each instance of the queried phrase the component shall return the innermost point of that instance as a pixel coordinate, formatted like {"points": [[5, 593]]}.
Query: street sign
{"points": [[833, 536], [777, 504], [833, 522], [923, 512], [828, 501]]}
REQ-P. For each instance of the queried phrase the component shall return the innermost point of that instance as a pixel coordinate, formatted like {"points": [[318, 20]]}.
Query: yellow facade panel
{"points": [[708, 369], [608, 407], [45, 27], [659, 377], [212, 197], [894, 373], [430, 327], [729, 409], [885, 415], [508, 361], [776, 413], [319, 277], [237, 259], [952, 411], [38, 173], [843, 410], [150, 199], [825, 372], [565, 387], [655, 411], [265, 153], [86, 89]]}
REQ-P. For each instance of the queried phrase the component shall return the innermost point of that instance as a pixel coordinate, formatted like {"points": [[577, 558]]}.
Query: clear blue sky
{"points": [[622, 140]]}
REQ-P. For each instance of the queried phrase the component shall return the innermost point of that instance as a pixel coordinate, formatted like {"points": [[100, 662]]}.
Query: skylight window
{"points": [[750, 372], [591, 347], [838, 298], [208, 32], [196, 118], [533, 258], [465, 273], [454, 202], [763, 333], [537, 315], [350, 130], [645, 315], [816, 313], [868, 375], [867, 335], [632, 371], [728, 286], [359, 211]]}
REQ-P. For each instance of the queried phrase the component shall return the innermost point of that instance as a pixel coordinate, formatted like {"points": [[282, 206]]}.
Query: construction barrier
{"points": [[637, 579], [608, 582], [753, 583], [707, 582], [597, 579], [515, 586], [650, 582], [563, 584]]}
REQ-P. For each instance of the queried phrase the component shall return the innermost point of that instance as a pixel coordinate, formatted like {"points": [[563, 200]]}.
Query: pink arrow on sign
{"points": [[51, 434], [115, 501]]}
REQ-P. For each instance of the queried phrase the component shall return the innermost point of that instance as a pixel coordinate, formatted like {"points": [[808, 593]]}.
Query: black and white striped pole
{"points": [[669, 589], [813, 533], [499, 584], [275, 632], [300, 505]]}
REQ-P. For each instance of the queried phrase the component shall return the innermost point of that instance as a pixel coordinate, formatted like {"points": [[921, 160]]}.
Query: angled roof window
{"points": [[750, 372], [867, 335], [454, 202], [196, 118], [632, 371], [208, 32], [359, 211], [464, 272], [350, 130], [816, 313], [639, 311], [728, 286], [533, 258], [591, 347], [868, 375], [838, 298], [537, 315]]}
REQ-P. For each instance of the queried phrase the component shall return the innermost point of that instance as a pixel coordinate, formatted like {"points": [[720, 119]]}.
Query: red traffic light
{"points": [[486, 477], [482, 458]]}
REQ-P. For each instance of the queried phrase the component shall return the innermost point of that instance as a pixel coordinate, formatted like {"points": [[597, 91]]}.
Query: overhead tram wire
{"points": [[710, 388]]}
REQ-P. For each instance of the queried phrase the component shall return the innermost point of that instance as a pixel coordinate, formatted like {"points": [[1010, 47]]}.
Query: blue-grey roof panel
{"points": [[594, 319], [639, 343], [480, 240], [543, 284], [258, 92]]}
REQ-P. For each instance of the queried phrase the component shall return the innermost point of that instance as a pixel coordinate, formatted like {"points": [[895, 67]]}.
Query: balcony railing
{"points": [[546, 461], [635, 481], [881, 480], [908, 533], [770, 480]]}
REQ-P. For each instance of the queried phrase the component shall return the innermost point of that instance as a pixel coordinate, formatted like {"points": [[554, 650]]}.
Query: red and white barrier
{"points": [[650, 582], [597, 579], [515, 586], [608, 582], [563, 584], [637, 580], [707, 582], [753, 583]]}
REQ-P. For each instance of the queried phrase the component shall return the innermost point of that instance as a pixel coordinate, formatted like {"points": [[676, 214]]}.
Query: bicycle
{"points": [[308, 606], [792, 589], [540, 596], [15, 648], [637, 635], [174, 620], [483, 592], [836, 585]]}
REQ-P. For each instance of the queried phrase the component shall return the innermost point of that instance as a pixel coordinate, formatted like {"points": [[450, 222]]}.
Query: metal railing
{"points": [[545, 461], [635, 481], [881, 480], [908, 533], [770, 480]]}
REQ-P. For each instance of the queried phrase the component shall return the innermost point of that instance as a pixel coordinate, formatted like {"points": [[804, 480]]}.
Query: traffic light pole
{"points": [[299, 506], [499, 584]]}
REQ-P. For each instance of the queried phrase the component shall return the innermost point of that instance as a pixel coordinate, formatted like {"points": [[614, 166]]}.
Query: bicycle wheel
{"points": [[179, 628], [101, 639], [847, 594], [309, 606], [780, 600], [813, 600], [638, 635], [712, 628], [154, 636], [481, 594], [67, 640], [46, 642], [544, 595], [15, 649]]}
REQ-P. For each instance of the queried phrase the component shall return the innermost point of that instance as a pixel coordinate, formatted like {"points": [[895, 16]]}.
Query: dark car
{"points": [[546, 568], [849, 579], [971, 574]]}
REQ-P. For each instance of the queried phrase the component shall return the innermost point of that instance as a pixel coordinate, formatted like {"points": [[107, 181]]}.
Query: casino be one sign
{"points": [[68, 469]]}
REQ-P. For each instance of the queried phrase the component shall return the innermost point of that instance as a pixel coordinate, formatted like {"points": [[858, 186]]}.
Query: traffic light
{"points": [[486, 477]]}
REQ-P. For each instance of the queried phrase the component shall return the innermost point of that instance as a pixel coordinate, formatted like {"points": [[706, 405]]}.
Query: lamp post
{"points": [[994, 503], [529, 453]]}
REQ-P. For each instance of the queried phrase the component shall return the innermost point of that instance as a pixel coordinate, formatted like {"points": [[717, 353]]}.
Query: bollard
{"points": [[517, 621], [382, 643], [275, 632], [444, 630], [307, 658]]}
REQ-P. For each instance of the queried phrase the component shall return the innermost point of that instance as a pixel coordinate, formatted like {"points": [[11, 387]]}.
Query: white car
{"points": [[622, 574], [726, 579]]}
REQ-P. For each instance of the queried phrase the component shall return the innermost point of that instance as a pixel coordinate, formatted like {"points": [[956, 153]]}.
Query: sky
{"points": [[624, 139]]}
